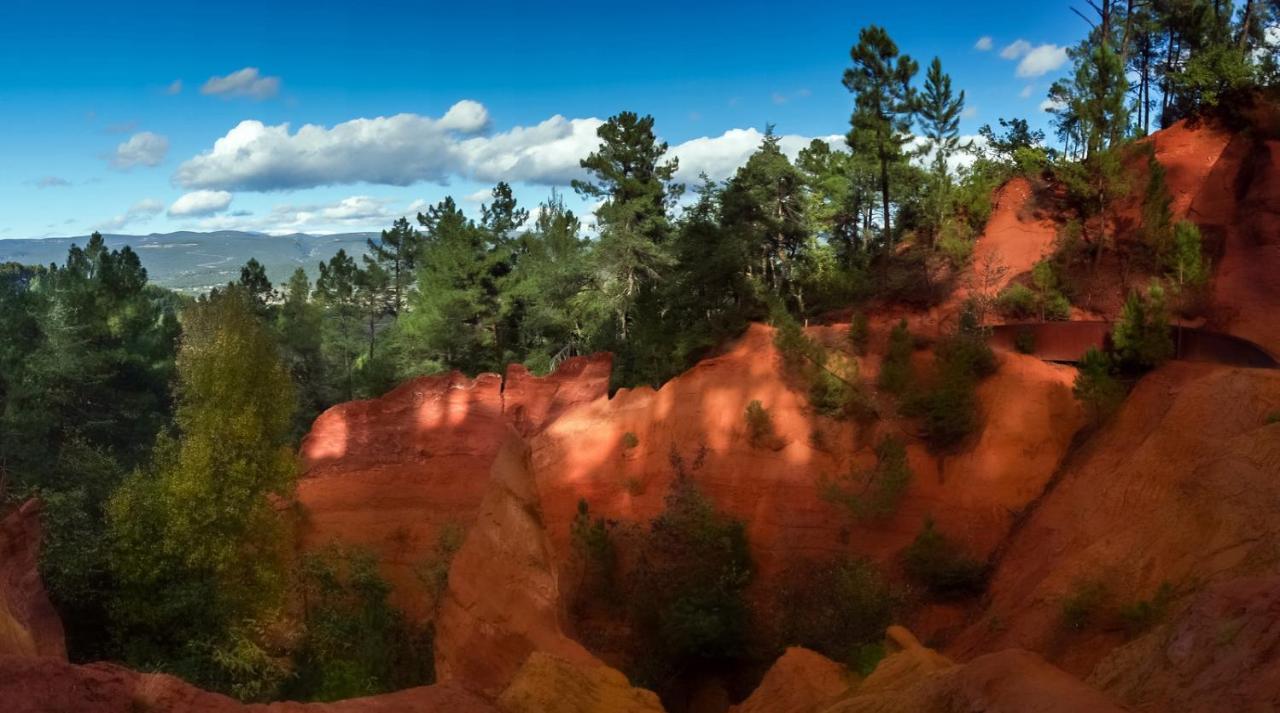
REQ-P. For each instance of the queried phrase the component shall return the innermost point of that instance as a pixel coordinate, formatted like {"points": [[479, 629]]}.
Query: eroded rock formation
{"points": [[29, 626]]}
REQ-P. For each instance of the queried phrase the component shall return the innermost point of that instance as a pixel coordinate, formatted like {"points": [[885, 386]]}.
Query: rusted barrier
{"points": [[1068, 341]]}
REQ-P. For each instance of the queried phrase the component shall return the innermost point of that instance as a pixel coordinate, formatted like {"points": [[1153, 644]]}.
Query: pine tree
{"points": [[839, 186], [940, 118], [628, 172], [453, 319], [375, 295], [542, 298], [301, 327], [396, 252], [765, 203], [881, 81], [336, 294], [253, 278]]}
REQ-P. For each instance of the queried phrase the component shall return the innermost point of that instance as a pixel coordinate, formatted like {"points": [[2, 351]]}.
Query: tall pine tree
{"points": [[637, 188], [880, 79]]}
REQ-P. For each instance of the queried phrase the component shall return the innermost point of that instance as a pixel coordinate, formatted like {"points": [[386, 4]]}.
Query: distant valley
{"points": [[193, 262]]}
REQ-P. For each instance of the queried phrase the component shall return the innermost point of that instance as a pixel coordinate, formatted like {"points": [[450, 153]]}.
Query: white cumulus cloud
{"points": [[1015, 50], [142, 149], [394, 150], [405, 149], [141, 211], [547, 153], [247, 82], [1051, 105], [197, 203], [1042, 60], [984, 43], [720, 156], [351, 213]]}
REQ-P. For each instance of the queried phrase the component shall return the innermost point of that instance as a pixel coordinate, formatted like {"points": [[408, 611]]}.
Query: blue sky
{"points": [[111, 114]]}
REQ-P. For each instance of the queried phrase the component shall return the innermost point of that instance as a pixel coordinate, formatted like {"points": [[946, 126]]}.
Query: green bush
{"points": [[859, 332], [1044, 301], [895, 369], [1057, 307], [1185, 261], [687, 592], [839, 608], [1157, 217], [593, 546], [797, 349], [939, 565], [956, 243], [949, 407], [433, 571], [829, 395], [875, 492], [948, 410], [1025, 341], [759, 425], [966, 352], [1083, 604], [1142, 337], [833, 396], [834, 389], [354, 643], [1096, 385], [630, 440], [1030, 160], [1140, 616], [1017, 302]]}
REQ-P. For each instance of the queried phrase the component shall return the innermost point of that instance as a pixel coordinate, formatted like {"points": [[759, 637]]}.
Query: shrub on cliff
{"points": [[1017, 302], [1142, 337], [939, 565], [839, 608], [687, 591], [1185, 261], [895, 369], [859, 332], [948, 407], [594, 554], [875, 492], [834, 386], [759, 425], [354, 643], [1096, 385]]}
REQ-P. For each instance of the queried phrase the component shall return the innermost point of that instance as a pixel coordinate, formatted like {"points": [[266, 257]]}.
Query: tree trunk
{"points": [[1128, 30], [1165, 82], [1245, 21], [884, 195]]}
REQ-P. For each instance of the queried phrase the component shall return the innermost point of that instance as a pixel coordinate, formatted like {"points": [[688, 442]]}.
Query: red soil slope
{"points": [[1015, 236], [46, 685], [1180, 488], [776, 490], [1216, 656]]}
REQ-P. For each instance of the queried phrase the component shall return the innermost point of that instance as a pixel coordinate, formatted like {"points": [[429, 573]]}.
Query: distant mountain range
{"points": [[193, 262]]}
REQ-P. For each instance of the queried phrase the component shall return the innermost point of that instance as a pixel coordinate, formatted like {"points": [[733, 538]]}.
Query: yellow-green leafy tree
{"points": [[196, 546]]}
